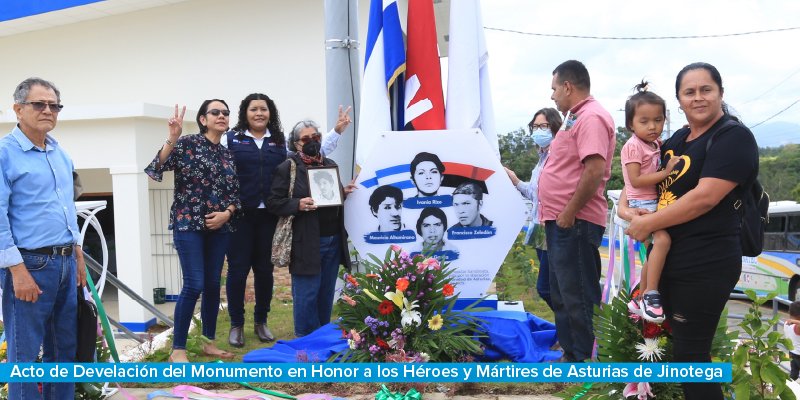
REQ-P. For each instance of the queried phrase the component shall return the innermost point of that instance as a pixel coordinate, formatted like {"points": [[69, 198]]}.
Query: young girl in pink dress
{"points": [[645, 113]]}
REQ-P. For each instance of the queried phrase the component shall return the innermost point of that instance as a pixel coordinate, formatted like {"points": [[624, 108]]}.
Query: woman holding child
{"points": [[697, 208]]}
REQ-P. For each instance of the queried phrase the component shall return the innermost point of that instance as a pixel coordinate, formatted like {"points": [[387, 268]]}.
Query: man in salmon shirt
{"points": [[573, 207]]}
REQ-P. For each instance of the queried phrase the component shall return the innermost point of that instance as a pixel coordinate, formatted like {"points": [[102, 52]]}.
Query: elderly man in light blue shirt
{"points": [[38, 240]]}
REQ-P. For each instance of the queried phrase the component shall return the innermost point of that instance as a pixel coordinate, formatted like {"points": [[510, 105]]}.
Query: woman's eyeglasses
{"points": [[40, 106], [538, 126], [215, 112], [317, 137]]}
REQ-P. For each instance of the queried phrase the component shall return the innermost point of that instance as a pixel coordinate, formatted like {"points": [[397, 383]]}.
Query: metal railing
{"points": [[122, 288]]}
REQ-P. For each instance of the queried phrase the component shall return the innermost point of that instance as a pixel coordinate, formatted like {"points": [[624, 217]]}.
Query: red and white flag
{"points": [[424, 100]]}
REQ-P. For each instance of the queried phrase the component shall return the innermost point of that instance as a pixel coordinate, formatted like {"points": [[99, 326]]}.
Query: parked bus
{"points": [[777, 268]]}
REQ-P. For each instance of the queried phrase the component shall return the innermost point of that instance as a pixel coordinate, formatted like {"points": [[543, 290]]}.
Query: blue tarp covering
{"points": [[13, 9], [512, 335]]}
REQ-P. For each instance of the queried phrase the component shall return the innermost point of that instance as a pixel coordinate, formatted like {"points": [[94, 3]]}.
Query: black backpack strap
{"points": [[726, 126], [741, 190]]}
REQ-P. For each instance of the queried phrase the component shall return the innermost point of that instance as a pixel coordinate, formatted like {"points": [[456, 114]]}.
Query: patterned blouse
{"points": [[205, 181]]}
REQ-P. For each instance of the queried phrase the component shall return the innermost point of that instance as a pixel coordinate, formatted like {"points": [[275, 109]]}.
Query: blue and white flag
{"points": [[385, 60]]}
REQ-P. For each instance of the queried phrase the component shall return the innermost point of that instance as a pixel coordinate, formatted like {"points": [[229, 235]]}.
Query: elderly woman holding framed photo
{"points": [[319, 241]]}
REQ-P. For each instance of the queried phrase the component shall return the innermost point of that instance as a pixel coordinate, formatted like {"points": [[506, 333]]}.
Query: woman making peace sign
{"points": [[206, 197]]}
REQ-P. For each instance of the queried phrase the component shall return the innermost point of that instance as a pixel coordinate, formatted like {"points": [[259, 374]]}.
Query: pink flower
{"points": [[398, 356], [349, 300], [421, 267], [429, 264], [641, 390], [432, 264], [395, 248], [355, 335]]}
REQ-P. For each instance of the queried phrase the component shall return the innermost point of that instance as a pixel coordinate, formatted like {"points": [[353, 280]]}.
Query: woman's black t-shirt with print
{"points": [[713, 236]]}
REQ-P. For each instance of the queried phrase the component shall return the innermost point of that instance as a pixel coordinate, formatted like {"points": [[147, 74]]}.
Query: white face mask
{"points": [[542, 137]]}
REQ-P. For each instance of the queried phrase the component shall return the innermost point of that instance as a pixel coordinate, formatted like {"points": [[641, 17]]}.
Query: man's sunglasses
{"points": [[40, 106]]}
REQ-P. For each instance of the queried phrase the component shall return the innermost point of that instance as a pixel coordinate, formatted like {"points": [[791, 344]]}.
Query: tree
{"points": [[518, 153], [779, 171]]}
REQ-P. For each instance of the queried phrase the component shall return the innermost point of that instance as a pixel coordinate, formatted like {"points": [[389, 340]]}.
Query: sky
{"points": [[760, 72]]}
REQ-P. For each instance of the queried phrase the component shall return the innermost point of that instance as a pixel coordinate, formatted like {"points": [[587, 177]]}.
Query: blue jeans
{"points": [[649, 205], [250, 247], [312, 295], [49, 322], [201, 254], [543, 280], [574, 284]]}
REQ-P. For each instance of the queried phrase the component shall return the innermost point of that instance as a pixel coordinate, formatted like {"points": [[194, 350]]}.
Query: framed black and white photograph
{"points": [[324, 185]]}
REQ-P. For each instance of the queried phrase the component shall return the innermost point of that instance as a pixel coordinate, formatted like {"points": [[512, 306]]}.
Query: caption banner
{"points": [[365, 372]]}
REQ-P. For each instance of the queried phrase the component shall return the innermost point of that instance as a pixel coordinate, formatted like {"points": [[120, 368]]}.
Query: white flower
{"points": [[424, 357], [351, 343], [410, 306], [649, 350], [409, 317]]}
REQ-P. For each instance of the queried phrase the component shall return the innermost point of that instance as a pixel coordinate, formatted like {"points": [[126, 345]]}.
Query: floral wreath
{"points": [[401, 310]]}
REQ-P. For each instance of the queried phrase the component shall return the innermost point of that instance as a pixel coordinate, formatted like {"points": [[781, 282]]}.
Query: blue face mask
{"points": [[542, 137]]}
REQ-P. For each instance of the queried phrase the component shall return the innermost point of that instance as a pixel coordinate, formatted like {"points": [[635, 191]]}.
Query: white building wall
{"points": [[181, 53], [95, 180]]}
